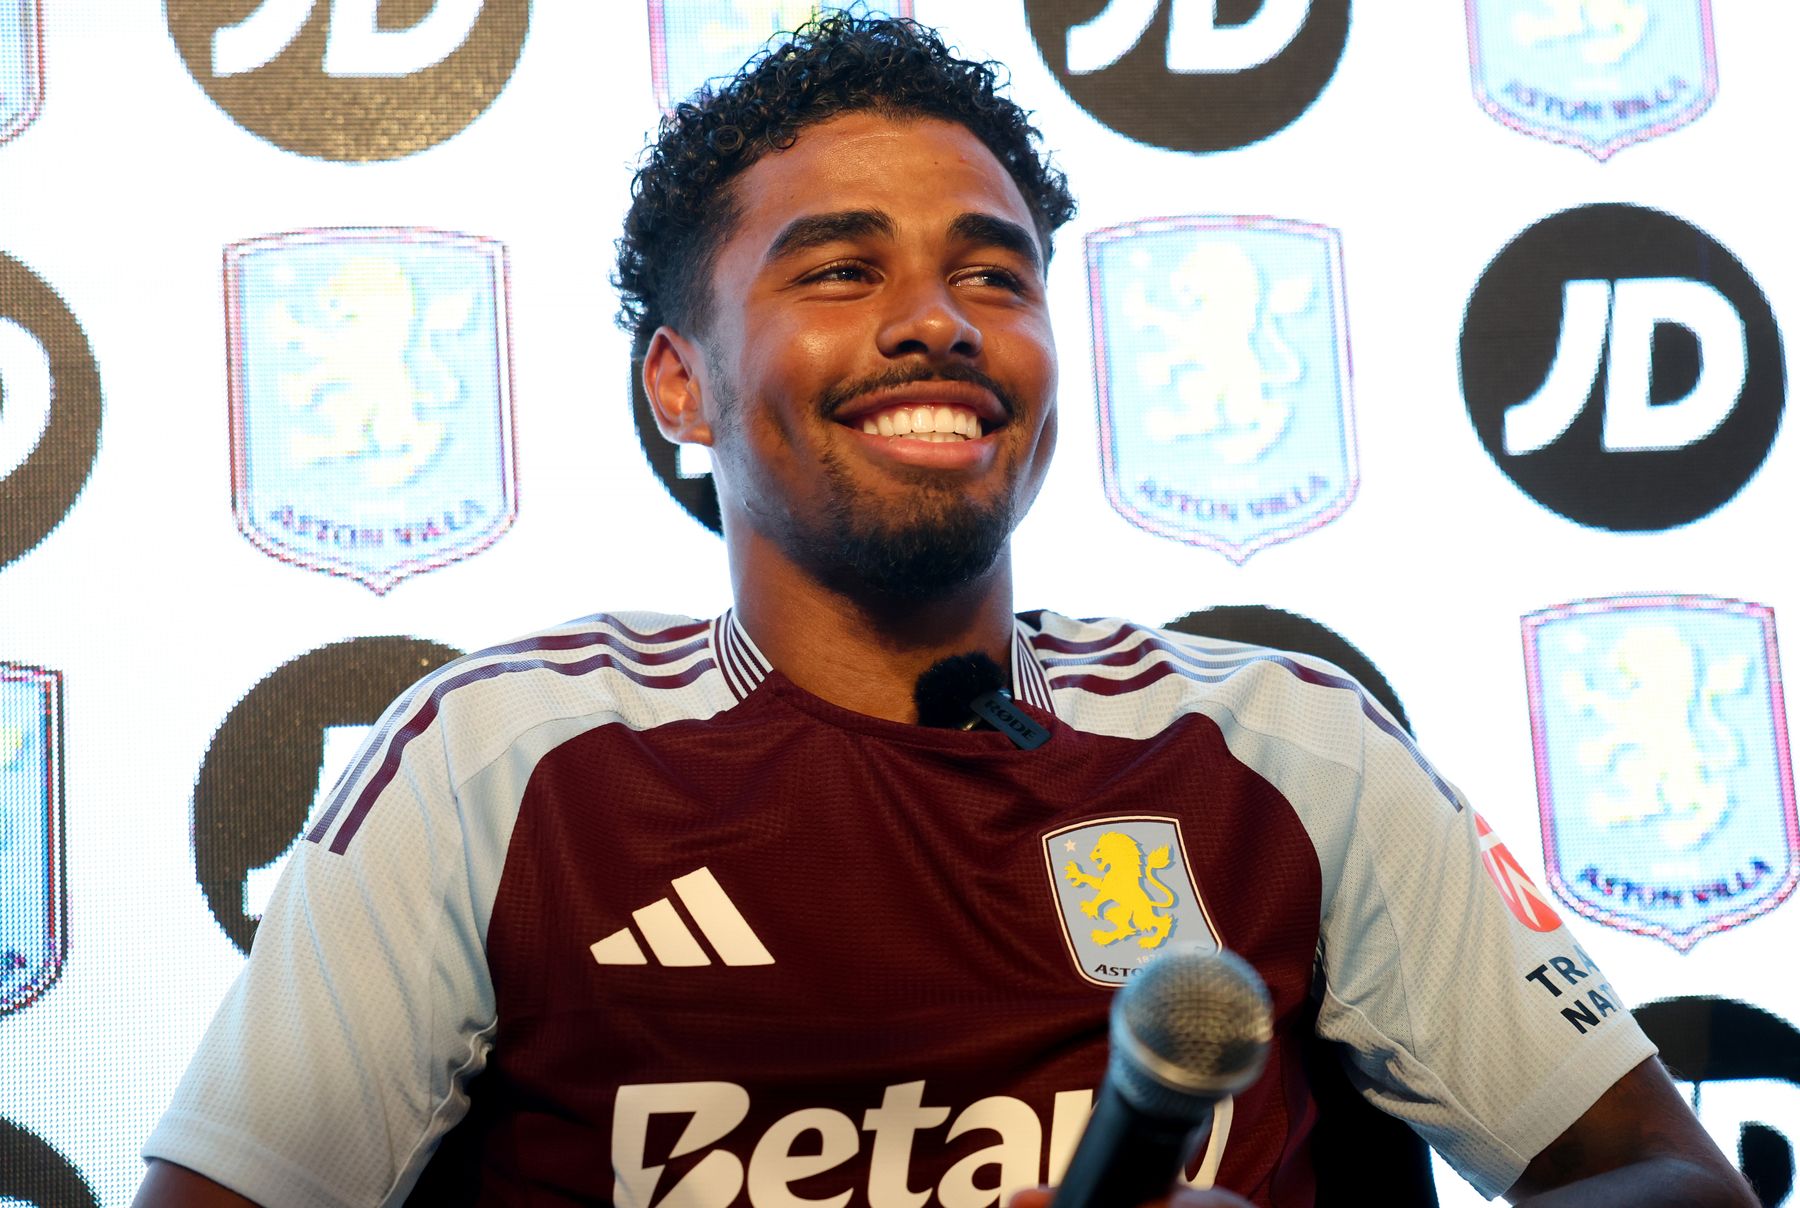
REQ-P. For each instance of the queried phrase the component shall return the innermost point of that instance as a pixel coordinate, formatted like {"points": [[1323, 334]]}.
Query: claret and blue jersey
{"points": [[618, 912]]}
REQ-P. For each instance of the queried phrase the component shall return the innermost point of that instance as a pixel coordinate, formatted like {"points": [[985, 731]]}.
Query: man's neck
{"points": [[865, 652]]}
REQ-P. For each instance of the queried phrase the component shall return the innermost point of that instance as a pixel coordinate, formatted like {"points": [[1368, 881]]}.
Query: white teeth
{"points": [[937, 423]]}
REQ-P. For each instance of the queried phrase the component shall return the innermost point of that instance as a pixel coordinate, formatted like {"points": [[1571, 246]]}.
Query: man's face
{"points": [[878, 374]]}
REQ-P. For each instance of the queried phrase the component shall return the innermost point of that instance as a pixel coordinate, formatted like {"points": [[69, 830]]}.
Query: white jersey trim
{"points": [[745, 667]]}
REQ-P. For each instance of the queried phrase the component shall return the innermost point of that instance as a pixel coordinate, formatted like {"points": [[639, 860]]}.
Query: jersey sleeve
{"points": [[339, 1055], [1467, 1008]]}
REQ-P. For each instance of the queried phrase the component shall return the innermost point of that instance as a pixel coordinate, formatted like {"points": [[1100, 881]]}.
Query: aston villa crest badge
{"points": [[371, 409], [1595, 76], [1664, 780], [1124, 892], [1223, 371], [21, 65], [33, 897], [693, 41]]}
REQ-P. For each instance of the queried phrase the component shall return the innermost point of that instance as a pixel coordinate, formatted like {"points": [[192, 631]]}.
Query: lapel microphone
{"points": [[965, 691]]}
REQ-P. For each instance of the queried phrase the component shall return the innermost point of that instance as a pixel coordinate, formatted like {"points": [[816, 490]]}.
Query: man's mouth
{"points": [[928, 422]]}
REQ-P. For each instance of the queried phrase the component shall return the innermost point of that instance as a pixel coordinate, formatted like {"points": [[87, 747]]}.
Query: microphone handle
{"points": [[1126, 1158]]}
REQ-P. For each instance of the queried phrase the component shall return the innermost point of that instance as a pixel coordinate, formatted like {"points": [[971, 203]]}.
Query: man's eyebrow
{"points": [[816, 230], [994, 231]]}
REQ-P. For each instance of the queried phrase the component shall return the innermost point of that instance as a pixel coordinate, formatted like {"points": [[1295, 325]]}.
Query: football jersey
{"points": [[619, 913]]}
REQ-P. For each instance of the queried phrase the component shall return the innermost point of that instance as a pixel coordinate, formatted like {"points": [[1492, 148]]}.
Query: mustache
{"points": [[837, 396]]}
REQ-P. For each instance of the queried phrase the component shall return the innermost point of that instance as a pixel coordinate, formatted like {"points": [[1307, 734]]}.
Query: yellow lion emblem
{"points": [[1126, 881]]}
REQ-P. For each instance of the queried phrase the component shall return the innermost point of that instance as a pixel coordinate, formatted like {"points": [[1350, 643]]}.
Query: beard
{"points": [[945, 542], [940, 542]]}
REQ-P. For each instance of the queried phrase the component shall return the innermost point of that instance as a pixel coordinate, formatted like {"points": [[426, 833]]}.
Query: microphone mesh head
{"points": [[945, 689], [1189, 1029]]}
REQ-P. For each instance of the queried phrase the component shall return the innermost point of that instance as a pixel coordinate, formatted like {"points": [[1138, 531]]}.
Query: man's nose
{"points": [[926, 318]]}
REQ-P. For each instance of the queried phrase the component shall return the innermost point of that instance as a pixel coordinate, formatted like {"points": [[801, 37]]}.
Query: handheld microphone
{"points": [[1190, 1029], [965, 691]]}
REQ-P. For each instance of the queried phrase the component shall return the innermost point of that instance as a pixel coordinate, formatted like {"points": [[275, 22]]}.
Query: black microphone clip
{"points": [[996, 709], [967, 690]]}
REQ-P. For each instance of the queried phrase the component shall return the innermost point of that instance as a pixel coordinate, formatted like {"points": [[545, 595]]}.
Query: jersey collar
{"points": [[744, 666]]}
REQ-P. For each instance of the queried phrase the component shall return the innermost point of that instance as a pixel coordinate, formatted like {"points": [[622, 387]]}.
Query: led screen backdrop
{"points": [[1442, 340]]}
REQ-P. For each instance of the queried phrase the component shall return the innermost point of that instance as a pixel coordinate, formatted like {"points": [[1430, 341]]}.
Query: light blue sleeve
{"points": [[338, 1058], [1485, 1028]]}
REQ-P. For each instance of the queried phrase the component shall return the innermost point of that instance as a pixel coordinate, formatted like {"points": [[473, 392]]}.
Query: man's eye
{"points": [[991, 276], [847, 270]]}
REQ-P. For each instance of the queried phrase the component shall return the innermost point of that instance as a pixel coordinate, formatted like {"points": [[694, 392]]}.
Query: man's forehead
{"points": [[908, 168]]}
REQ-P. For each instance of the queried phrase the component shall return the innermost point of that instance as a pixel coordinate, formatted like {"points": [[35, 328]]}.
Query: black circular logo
{"points": [[691, 487], [1710, 1040], [351, 79], [1259, 625], [40, 490], [1192, 75], [261, 774], [33, 1172], [1622, 367]]}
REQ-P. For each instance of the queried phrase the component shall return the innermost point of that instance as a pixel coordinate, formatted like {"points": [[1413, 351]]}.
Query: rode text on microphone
{"points": [[967, 690]]}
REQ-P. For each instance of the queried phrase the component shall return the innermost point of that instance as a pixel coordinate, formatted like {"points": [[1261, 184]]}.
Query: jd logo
{"points": [[49, 409], [1196, 40], [1622, 368], [1744, 1066], [21, 65], [1225, 73], [34, 937], [351, 79], [1123, 890], [355, 43], [34, 1175], [276, 757], [1613, 326]]}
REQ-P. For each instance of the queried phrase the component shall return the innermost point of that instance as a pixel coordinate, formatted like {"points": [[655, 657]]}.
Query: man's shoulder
{"points": [[639, 668], [1069, 645], [1098, 665], [629, 633]]}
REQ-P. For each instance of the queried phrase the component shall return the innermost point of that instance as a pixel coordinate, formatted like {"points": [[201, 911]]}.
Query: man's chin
{"points": [[926, 563]]}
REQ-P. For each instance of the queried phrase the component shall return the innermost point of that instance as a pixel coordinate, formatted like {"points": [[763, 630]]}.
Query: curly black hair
{"points": [[682, 206]]}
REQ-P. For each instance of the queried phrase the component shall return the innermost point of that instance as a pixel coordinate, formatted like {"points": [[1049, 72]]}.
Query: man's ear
{"points": [[672, 383]]}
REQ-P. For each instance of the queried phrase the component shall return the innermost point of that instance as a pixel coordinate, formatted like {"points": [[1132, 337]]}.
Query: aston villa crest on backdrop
{"points": [[371, 407], [1223, 371], [1598, 76], [33, 892], [21, 65], [1664, 776]]}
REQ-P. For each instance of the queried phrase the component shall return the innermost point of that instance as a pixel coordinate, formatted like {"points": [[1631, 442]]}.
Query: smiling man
{"points": [[872, 365], [689, 912]]}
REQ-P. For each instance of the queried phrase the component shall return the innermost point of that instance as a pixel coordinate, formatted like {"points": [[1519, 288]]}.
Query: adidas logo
{"points": [[671, 943]]}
